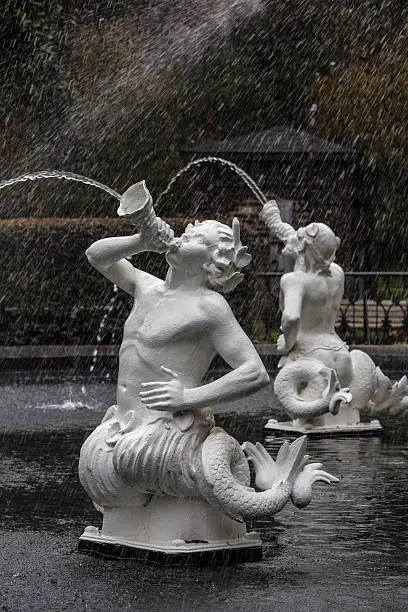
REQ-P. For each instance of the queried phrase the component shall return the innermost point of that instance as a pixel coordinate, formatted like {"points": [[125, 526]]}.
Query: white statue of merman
{"points": [[157, 467], [319, 374]]}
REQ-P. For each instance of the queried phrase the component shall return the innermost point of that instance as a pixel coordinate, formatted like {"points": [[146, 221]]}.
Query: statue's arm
{"points": [[233, 345], [338, 274], [291, 297], [270, 214], [109, 257]]}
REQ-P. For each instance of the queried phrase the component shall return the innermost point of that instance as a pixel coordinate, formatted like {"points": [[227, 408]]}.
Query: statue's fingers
{"points": [[153, 393], [169, 372], [160, 407], [163, 404], [157, 383], [155, 400]]}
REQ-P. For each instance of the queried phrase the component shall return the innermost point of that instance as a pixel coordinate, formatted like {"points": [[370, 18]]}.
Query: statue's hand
{"points": [[292, 245], [159, 242], [162, 395]]}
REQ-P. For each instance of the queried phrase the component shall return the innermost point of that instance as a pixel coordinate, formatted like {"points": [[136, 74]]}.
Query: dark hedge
{"points": [[50, 294]]}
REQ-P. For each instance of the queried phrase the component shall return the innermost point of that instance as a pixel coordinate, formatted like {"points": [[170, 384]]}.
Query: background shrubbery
{"points": [[50, 293], [54, 296]]}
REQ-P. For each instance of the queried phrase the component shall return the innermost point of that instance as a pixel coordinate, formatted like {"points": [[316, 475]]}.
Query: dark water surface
{"points": [[347, 551]]}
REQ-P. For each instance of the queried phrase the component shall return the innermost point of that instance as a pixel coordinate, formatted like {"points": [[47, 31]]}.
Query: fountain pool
{"points": [[347, 551]]}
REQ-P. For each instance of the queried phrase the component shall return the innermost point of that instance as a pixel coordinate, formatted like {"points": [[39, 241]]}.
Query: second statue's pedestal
{"points": [[172, 531], [344, 424]]}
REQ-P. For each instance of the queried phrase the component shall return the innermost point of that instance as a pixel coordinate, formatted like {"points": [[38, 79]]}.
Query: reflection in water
{"points": [[365, 515]]}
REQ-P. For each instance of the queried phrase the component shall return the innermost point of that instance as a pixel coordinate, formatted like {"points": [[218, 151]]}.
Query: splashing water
{"points": [[249, 182], [56, 174], [147, 43]]}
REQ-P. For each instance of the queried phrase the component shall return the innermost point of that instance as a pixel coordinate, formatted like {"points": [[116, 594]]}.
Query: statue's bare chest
{"points": [[157, 319]]}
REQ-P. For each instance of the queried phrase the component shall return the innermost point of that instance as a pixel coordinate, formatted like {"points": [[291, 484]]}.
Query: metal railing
{"points": [[374, 309]]}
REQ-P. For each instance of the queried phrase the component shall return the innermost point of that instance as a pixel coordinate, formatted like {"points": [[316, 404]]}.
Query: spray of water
{"points": [[124, 70], [249, 182], [56, 174], [102, 324]]}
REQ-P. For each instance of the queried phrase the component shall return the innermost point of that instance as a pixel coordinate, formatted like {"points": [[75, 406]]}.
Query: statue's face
{"points": [[193, 249]]}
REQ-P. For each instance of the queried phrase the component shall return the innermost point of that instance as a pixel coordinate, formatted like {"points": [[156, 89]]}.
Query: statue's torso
{"points": [[167, 329], [317, 338]]}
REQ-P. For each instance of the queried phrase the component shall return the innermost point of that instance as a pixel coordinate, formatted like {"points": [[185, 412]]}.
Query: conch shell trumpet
{"points": [[136, 204]]}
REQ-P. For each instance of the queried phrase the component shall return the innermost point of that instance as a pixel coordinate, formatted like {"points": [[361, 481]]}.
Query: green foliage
{"points": [[392, 289], [259, 335], [258, 331], [123, 100], [366, 105]]}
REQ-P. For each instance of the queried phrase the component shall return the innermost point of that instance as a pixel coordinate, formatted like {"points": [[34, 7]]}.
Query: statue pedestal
{"points": [[172, 531], [344, 424]]}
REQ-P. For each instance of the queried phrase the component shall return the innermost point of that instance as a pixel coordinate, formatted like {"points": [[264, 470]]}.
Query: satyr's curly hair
{"points": [[227, 258]]}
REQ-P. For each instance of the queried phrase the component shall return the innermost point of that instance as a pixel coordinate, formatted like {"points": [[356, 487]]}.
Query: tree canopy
{"points": [[114, 89]]}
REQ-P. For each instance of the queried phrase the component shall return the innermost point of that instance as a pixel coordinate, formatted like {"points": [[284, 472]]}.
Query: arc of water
{"points": [[59, 174], [249, 181], [70, 176]]}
